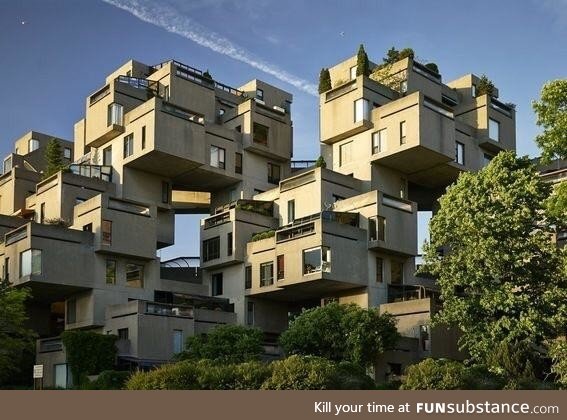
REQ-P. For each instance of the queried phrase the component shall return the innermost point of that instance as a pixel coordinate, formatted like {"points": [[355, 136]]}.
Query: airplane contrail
{"points": [[172, 21]]}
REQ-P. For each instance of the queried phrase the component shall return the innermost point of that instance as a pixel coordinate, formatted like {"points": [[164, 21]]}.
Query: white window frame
{"points": [[379, 139], [218, 157], [361, 110], [33, 145], [494, 125], [460, 153]]}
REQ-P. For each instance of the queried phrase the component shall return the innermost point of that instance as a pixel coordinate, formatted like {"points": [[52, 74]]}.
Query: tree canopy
{"points": [[341, 333], [501, 277], [225, 343], [362, 63], [15, 338], [53, 158], [324, 80], [551, 111]]}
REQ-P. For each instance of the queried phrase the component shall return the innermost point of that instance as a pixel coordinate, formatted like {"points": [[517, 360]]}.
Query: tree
{"points": [[433, 67], [53, 158], [15, 338], [324, 80], [501, 277], [207, 75], [551, 111], [485, 86], [227, 344], [362, 63], [320, 162], [558, 353], [435, 374], [341, 333]]}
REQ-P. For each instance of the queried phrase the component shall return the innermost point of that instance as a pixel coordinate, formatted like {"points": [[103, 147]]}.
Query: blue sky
{"points": [[55, 53]]}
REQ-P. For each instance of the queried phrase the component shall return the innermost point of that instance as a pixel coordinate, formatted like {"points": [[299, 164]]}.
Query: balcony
{"points": [[102, 172], [49, 345], [163, 309], [405, 292]]}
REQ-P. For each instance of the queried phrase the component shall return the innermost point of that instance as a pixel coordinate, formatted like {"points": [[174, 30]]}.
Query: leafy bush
{"points": [[89, 353], [485, 86], [324, 80], [433, 67], [181, 375], [558, 354], [362, 63], [351, 376], [109, 380], [341, 333], [263, 235], [302, 373], [435, 374], [227, 344], [320, 162]]}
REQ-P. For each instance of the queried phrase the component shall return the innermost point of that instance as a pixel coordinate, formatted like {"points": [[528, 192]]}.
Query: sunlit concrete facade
{"points": [[280, 237]]}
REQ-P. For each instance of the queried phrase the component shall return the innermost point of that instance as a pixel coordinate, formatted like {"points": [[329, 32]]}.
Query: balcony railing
{"points": [[406, 292], [265, 208], [302, 164], [151, 86], [102, 172], [165, 309], [217, 219], [49, 345]]}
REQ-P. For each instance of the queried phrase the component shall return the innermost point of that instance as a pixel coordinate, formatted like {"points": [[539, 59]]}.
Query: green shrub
{"points": [[181, 375], [225, 343], [89, 353], [351, 376], [362, 63], [435, 374], [558, 354], [324, 80], [263, 235], [109, 380], [433, 67], [485, 86], [320, 162], [302, 373]]}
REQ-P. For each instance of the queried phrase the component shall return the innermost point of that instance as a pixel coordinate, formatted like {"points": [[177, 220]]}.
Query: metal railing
{"points": [[216, 220], [48, 345], [166, 309], [102, 172], [150, 86], [302, 164]]}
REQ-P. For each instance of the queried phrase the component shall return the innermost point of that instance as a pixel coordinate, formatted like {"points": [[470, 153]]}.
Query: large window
{"points": [[106, 156], [345, 153], [260, 134], [248, 277], [403, 132], [229, 246], [379, 141], [316, 260], [460, 153], [290, 211], [106, 232], [71, 309], [250, 313], [110, 271], [7, 164], [238, 163], [217, 284], [379, 270], [135, 275], [266, 274], [33, 145], [128, 145], [486, 158], [273, 173], [493, 129], [260, 94], [211, 249], [361, 110], [177, 341], [397, 272], [115, 114], [67, 153], [377, 228], [281, 266], [353, 72], [218, 157], [30, 263]]}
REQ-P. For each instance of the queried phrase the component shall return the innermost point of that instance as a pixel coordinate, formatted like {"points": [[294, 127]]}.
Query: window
{"points": [[238, 128], [177, 341], [7, 164], [377, 228], [473, 91], [67, 153], [33, 145], [379, 141], [260, 94], [353, 72], [110, 272], [266, 274], [42, 213], [487, 158], [273, 173], [71, 315], [6, 275], [281, 266], [290, 211], [115, 115], [165, 192], [403, 133], [221, 112], [88, 227], [316, 260], [135, 275], [211, 249], [345, 153], [260, 134], [250, 313], [424, 338], [248, 277], [379, 270], [493, 129], [460, 153], [372, 232], [128, 145], [238, 163], [30, 263], [381, 228], [216, 284], [123, 334], [229, 243], [106, 232], [397, 272], [143, 137], [361, 110], [217, 157], [107, 156], [403, 86], [62, 375]]}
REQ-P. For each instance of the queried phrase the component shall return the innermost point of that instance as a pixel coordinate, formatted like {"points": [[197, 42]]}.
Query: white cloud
{"points": [[172, 21]]}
